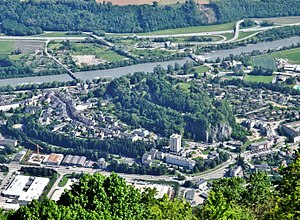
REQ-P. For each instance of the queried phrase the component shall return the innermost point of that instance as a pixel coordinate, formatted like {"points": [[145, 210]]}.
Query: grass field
{"points": [[265, 62], [150, 53], [185, 39], [61, 34], [201, 69], [97, 50], [6, 47], [293, 55], [264, 79], [185, 87], [282, 20], [246, 34], [196, 29]]}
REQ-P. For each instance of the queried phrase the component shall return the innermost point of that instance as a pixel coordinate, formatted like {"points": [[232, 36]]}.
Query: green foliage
{"points": [[107, 198], [236, 198], [231, 10], [152, 101], [288, 197], [29, 17]]}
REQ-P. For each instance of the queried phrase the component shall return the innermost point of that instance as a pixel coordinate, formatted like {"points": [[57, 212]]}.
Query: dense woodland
{"points": [[31, 17], [23, 18], [232, 10], [254, 197], [152, 101]]}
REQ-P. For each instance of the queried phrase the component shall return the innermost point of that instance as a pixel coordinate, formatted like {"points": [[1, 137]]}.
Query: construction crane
{"points": [[38, 148]]}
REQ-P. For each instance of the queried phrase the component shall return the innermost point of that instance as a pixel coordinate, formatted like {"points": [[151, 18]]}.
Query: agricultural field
{"points": [[282, 20], [265, 62], [292, 55], [264, 79], [25, 47], [61, 34], [84, 53], [195, 29], [6, 47]]}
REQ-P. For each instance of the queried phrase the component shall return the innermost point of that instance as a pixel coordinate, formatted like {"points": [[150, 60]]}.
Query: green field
{"points": [[184, 86], [246, 34], [201, 69], [6, 47], [150, 53], [197, 29], [265, 62], [293, 55], [97, 50], [61, 34], [264, 79]]}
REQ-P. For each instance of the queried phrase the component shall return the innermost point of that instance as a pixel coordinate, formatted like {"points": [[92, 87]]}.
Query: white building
{"points": [[180, 161], [26, 188], [175, 143]]}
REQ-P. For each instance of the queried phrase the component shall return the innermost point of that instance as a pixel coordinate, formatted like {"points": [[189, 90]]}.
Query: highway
{"points": [[236, 31], [211, 33]]}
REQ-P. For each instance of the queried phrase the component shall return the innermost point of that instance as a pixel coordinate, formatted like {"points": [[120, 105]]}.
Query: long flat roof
{"points": [[26, 188]]}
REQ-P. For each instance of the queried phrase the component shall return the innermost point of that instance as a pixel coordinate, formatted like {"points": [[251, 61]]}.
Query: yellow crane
{"points": [[38, 148]]}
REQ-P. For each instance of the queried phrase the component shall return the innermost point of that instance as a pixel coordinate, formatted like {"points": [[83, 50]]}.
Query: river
{"points": [[148, 67], [249, 48], [84, 75]]}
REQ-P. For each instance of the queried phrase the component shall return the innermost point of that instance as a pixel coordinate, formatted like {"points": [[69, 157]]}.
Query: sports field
{"points": [[264, 62], [292, 55], [264, 79]]}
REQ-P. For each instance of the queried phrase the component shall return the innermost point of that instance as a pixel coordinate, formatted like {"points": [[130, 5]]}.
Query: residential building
{"points": [[292, 131], [180, 161], [175, 143]]}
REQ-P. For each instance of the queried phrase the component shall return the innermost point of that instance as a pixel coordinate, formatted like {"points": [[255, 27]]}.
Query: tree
{"points": [[288, 197], [99, 197]]}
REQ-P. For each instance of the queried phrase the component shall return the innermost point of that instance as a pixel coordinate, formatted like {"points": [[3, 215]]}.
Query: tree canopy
{"points": [[99, 197]]}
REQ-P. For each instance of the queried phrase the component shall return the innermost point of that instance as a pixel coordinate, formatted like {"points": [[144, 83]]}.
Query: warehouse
{"points": [[53, 159], [26, 188], [74, 160]]}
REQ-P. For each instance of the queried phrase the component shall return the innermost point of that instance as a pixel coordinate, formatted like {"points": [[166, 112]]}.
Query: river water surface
{"points": [[148, 67]]}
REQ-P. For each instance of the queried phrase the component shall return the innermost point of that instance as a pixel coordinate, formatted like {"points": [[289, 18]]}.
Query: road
{"points": [[214, 33], [253, 29], [236, 32], [69, 71]]}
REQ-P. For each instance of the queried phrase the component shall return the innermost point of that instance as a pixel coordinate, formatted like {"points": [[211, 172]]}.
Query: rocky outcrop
{"points": [[220, 132]]}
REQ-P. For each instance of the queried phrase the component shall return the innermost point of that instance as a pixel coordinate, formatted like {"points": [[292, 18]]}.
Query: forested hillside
{"points": [[153, 101], [31, 17], [23, 18], [232, 10]]}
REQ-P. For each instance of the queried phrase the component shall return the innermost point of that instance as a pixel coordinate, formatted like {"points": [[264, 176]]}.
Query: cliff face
{"points": [[220, 132]]}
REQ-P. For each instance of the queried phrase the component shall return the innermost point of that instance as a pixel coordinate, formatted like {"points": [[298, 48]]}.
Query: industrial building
{"points": [[74, 160], [53, 159], [24, 189], [292, 131], [175, 143]]}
